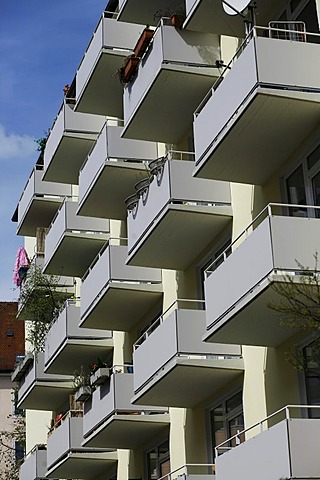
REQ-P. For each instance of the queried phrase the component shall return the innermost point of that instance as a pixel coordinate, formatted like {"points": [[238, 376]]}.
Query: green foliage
{"points": [[42, 304], [299, 308], [80, 379], [42, 141], [17, 433]]}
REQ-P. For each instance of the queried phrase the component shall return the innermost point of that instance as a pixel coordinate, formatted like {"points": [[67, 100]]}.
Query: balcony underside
{"points": [[171, 386], [165, 113], [75, 352], [146, 13], [45, 395], [251, 321], [262, 135], [103, 79], [112, 185], [74, 254], [209, 16], [121, 306], [128, 431], [179, 235], [70, 154], [40, 213], [83, 464]]}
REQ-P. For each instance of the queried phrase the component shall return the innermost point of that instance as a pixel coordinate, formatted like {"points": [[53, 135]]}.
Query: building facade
{"points": [[172, 203]]}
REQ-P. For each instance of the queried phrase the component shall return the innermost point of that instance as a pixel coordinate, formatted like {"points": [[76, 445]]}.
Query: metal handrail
{"points": [[267, 212], [260, 424], [253, 33], [161, 319], [183, 470]]}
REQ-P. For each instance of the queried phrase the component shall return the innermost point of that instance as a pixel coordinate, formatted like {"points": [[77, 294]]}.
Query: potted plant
{"points": [[99, 373], [82, 387]]}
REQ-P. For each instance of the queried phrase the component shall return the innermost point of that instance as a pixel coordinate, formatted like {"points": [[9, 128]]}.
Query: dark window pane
{"points": [[296, 192], [314, 157]]}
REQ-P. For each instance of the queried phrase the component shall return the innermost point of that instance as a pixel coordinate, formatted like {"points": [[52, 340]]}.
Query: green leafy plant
{"points": [[42, 303], [42, 141], [298, 307], [80, 379]]}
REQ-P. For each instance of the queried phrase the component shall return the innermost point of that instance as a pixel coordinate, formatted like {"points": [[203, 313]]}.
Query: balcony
{"points": [[210, 16], [73, 241], [39, 390], [68, 346], [115, 296], [111, 43], [39, 203], [172, 78], [255, 117], [198, 211], [70, 140], [170, 356], [68, 459], [286, 449], [37, 285], [241, 312], [192, 471], [147, 11], [111, 421], [114, 166], [34, 466]]}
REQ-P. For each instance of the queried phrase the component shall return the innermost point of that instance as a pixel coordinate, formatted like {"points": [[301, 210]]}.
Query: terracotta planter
{"points": [[143, 42], [129, 69]]}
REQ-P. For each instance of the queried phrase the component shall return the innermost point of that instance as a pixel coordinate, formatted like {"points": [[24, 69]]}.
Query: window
{"points": [[226, 420], [311, 356], [158, 461], [302, 185]]}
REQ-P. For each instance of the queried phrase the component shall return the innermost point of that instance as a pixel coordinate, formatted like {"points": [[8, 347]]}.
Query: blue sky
{"points": [[41, 45]]}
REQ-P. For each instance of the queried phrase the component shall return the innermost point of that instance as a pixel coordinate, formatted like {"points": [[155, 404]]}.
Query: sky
{"points": [[41, 45]]}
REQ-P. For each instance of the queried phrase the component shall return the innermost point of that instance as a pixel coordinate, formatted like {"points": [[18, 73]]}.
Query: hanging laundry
{"points": [[21, 266]]}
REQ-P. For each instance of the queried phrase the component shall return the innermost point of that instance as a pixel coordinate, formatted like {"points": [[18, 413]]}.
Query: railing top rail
{"points": [[184, 468], [267, 211], [285, 410], [119, 241], [254, 32], [174, 306]]}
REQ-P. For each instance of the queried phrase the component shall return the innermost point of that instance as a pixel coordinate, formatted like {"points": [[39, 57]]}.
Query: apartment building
{"points": [[173, 197]]}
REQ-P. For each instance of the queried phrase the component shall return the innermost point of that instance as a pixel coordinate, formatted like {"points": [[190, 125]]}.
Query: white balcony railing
{"points": [[172, 77], [71, 237], [68, 346], [114, 165], [170, 196], [113, 295], [172, 350], [34, 466], [69, 142], [192, 471], [288, 436], [279, 231], [260, 95], [39, 202]]}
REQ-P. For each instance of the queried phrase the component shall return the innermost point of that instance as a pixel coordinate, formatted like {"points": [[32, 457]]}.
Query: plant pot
{"points": [[177, 21], [100, 376], [83, 393], [143, 42], [129, 69]]}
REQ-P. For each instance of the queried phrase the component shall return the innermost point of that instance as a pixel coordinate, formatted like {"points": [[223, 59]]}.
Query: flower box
{"points": [[143, 42], [100, 376], [83, 393], [129, 69]]}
